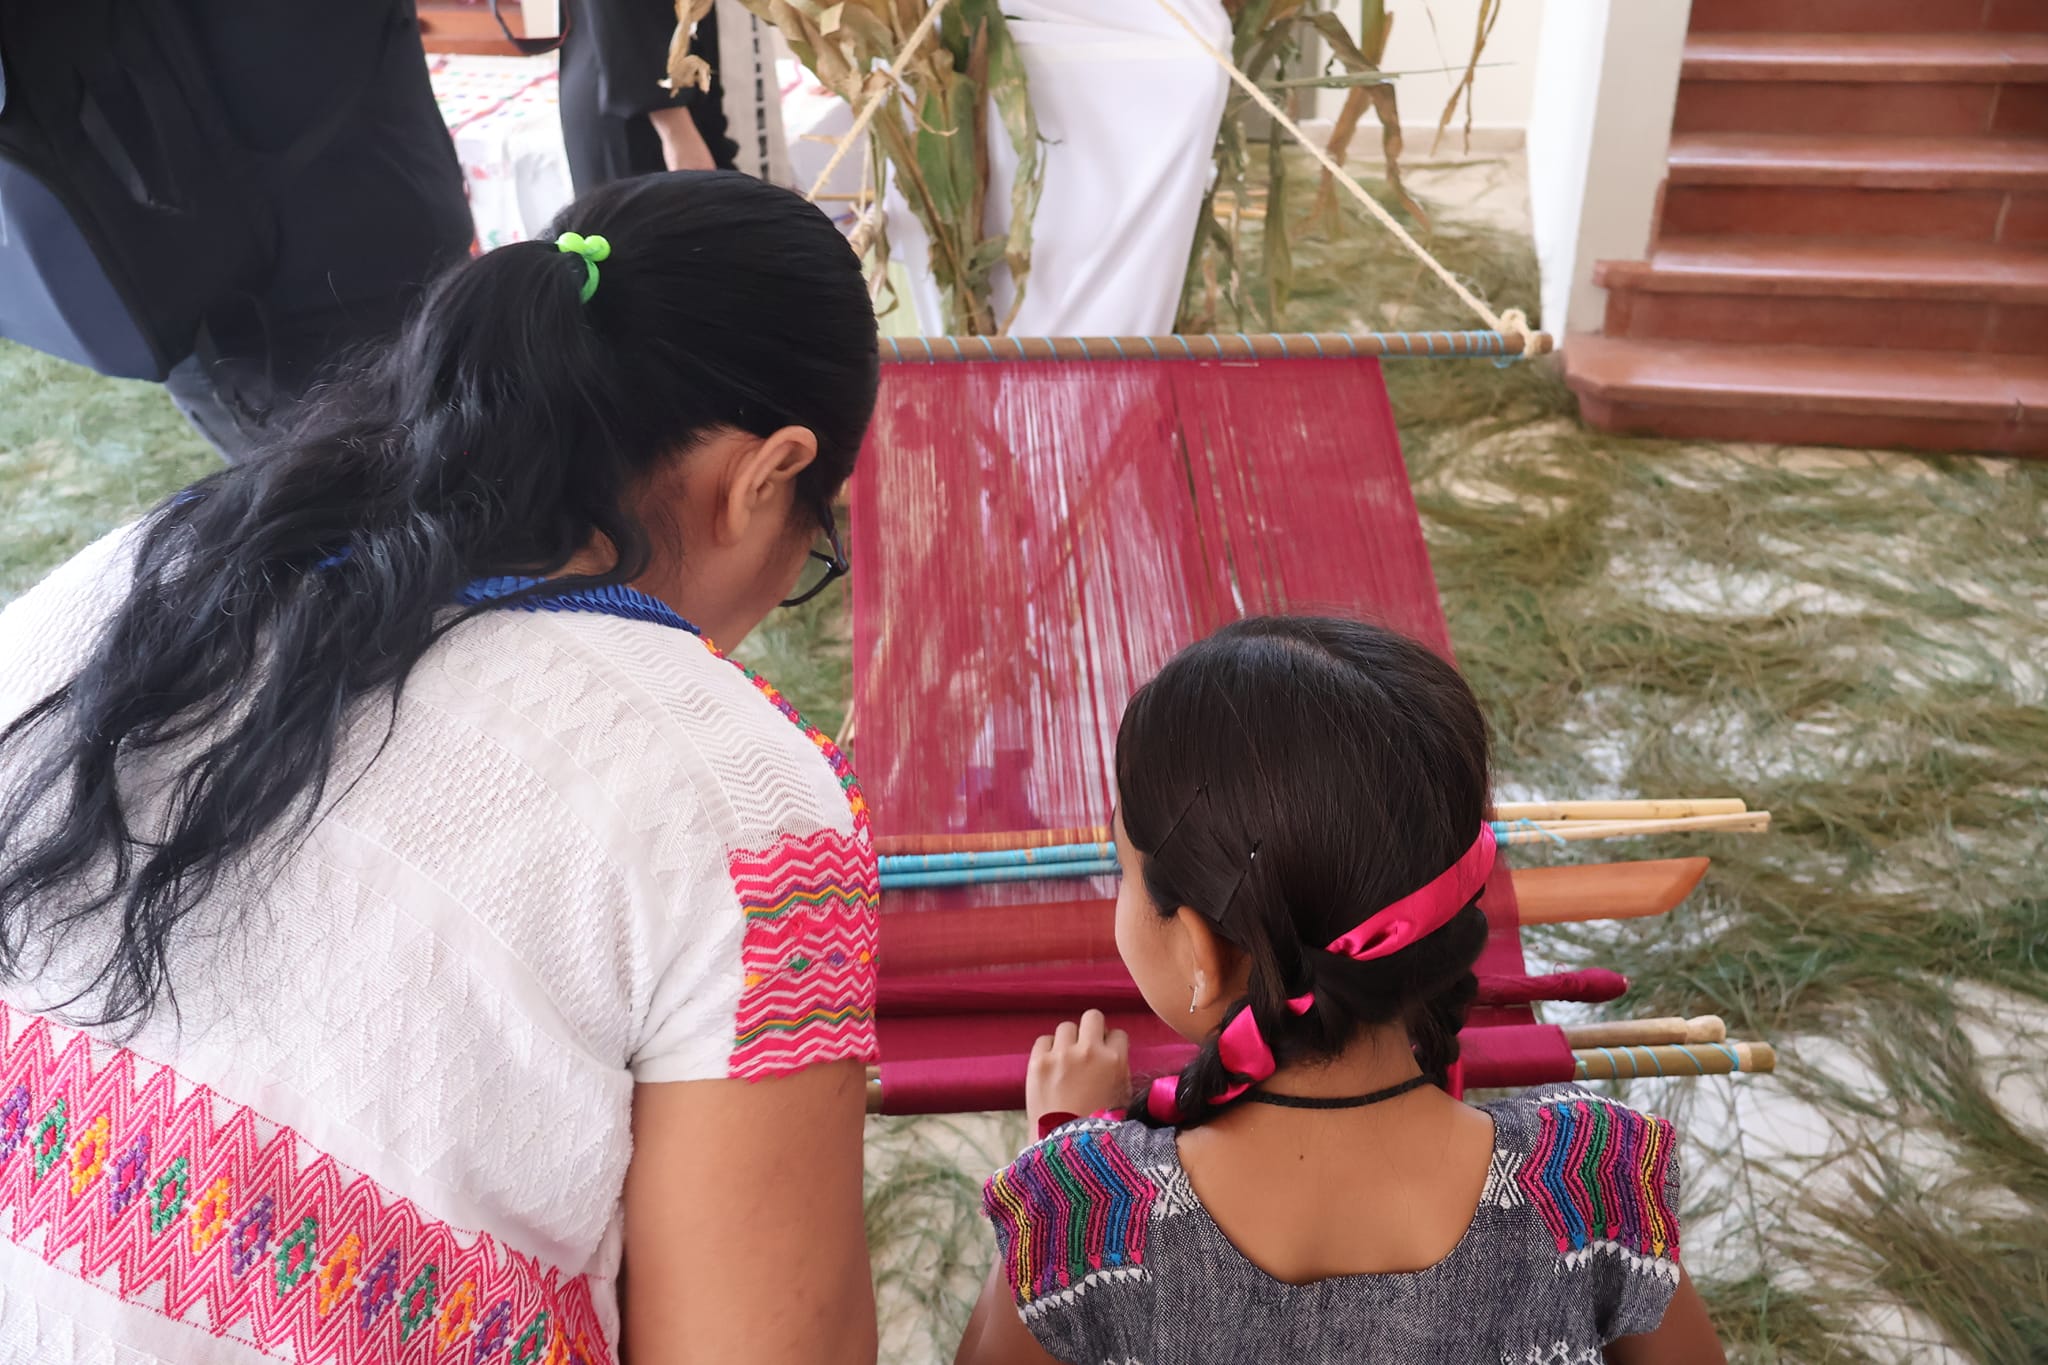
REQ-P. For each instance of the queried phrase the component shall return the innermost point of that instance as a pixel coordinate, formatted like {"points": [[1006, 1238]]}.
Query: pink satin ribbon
{"points": [[1420, 913]]}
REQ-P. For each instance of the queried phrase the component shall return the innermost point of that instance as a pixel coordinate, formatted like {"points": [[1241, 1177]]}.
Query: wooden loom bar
{"points": [[1706, 1028], [1594, 1063], [1710, 1059], [1074, 862], [1590, 891], [893, 845], [1676, 808], [1084, 930], [1574, 831], [1219, 346]]}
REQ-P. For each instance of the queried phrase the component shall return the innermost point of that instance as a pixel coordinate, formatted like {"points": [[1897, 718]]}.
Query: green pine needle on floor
{"points": [[1850, 639], [80, 455]]}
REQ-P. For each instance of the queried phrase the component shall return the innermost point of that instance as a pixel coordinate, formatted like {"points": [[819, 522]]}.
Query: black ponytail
{"points": [[501, 433], [1285, 778]]}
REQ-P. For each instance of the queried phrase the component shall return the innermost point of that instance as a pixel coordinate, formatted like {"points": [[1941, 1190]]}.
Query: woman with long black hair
{"points": [[417, 941]]}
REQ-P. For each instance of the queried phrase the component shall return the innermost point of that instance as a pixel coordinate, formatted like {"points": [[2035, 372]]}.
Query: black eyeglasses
{"points": [[823, 568]]}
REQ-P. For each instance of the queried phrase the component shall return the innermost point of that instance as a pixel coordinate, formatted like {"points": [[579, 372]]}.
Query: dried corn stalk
{"points": [[687, 72], [932, 131], [1265, 36]]}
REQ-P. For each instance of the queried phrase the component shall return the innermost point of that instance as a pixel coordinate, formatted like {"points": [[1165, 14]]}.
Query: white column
{"points": [[1599, 132]]}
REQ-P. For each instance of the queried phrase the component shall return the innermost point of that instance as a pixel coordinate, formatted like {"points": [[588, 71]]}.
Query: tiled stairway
{"points": [[467, 27], [1852, 245]]}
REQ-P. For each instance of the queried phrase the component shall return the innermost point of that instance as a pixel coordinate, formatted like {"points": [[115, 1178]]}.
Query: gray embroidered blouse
{"points": [[1112, 1259]]}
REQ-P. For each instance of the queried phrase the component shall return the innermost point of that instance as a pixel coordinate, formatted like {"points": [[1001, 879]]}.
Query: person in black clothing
{"points": [[362, 224], [617, 118]]}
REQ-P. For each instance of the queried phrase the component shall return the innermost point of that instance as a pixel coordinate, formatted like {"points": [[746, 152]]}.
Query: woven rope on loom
{"points": [[1230, 346], [1036, 537]]}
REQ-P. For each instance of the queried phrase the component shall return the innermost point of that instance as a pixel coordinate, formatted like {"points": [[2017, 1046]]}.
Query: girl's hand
{"points": [[1081, 1068]]}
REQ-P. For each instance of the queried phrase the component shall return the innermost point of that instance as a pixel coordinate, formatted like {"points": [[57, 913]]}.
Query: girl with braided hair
{"points": [[1302, 830]]}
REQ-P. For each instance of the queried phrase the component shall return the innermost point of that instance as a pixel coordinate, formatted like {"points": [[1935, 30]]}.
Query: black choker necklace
{"points": [[1337, 1101]]}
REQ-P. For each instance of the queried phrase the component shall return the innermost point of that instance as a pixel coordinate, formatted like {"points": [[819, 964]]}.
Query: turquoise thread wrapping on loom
{"points": [[1051, 863], [977, 876], [1008, 857]]}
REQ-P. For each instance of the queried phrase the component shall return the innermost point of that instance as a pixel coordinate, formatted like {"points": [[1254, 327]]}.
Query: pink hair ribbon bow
{"points": [[1420, 913]]}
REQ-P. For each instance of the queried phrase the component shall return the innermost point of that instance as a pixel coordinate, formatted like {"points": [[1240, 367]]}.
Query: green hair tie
{"points": [[592, 249]]}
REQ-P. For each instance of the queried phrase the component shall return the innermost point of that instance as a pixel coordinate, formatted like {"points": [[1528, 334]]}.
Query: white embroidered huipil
{"points": [[389, 1119]]}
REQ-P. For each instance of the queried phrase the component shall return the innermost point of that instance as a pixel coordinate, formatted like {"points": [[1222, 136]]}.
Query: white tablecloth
{"points": [[503, 114]]}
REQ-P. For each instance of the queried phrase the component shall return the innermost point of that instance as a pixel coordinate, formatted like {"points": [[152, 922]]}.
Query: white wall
{"points": [[1430, 44], [1572, 50], [1599, 133]]}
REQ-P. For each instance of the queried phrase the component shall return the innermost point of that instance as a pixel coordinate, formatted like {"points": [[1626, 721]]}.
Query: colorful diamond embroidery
{"points": [[206, 1221]]}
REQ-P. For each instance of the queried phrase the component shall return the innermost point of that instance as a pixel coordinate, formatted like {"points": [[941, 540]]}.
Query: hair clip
{"points": [[1223, 911], [1200, 790], [592, 249]]}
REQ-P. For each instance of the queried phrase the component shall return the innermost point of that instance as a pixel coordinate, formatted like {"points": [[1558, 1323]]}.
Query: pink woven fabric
{"points": [[809, 953], [171, 1197]]}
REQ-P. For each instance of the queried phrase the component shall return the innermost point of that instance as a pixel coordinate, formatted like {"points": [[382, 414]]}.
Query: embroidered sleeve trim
{"points": [[1069, 1214], [808, 954], [176, 1199], [1598, 1175]]}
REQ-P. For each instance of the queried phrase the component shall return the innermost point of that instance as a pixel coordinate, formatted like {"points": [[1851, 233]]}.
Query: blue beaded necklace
{"points": [[612, 600]]}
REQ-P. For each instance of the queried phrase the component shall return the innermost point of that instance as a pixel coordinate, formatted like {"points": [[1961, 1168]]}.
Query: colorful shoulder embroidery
{"points": [[808, 954], [1070, 1214], [168, 1196], [1597, 1175]]}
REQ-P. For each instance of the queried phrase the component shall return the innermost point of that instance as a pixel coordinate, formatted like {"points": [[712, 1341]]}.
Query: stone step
{"points": [[1924, 400], [1980, 58], [1859, 161], [1867, 16], [1822, 291]]}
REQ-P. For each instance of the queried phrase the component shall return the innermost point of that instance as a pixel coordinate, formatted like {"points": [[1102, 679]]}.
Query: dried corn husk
{"points": [[685, 71], [932, 131], [1265, 35]]}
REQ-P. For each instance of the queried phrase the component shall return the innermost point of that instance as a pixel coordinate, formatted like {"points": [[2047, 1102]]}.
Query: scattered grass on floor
{"points": [[80, 455], [1851, 639]]}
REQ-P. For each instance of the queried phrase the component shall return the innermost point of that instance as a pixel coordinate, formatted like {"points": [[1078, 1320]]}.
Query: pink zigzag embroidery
{"points": [[216, 1207], [809, 953]]}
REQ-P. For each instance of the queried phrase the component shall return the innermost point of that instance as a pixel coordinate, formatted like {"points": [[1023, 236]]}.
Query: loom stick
{"points": [[919, 941], [981, 876], [1706, 1028], [1576, 831], [1074, 861], [1547, 812], [940, 1065], [1709, 1059], [1104, 984], [1006, 857], [893, 845], [1588, 984], [1589, 1064], [1590, 891], [1232, 346], [1651, 809]]}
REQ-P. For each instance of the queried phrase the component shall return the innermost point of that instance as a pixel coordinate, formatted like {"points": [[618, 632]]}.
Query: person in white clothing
{"points": [[417, 940]]}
